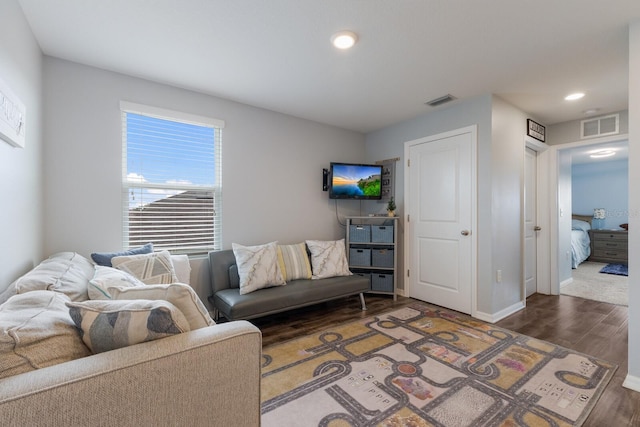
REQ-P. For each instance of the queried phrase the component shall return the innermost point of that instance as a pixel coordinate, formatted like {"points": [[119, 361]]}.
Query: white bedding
{"points": [[580, 243]]}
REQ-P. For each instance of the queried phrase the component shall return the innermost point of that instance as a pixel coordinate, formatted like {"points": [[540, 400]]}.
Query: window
{"points": [[171, 180]]}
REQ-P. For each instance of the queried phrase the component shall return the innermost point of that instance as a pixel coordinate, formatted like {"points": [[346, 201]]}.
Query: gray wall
{"points": [[21, 168], [508, 126], [389, 142], [272, 164], [563, 133], [500, 167]]}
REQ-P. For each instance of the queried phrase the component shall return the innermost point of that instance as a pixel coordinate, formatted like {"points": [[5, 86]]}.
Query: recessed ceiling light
{"points": [[602, 153], [574, 96], [344, 39]]}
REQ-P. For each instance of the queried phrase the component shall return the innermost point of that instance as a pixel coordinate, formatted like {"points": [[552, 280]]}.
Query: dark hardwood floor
{"points": [[595, 328]]}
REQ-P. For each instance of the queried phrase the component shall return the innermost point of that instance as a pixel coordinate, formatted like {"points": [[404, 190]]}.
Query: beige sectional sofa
{"points": [[205, 376]]}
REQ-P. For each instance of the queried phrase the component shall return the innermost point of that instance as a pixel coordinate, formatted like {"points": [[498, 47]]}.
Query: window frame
{"points": [[180, 117]]}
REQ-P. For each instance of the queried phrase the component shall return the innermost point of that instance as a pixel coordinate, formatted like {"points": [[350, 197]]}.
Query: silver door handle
{"points": [[537, 228], [465, 232]]}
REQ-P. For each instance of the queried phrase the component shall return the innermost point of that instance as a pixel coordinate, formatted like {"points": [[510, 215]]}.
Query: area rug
{"points": [[426, 366], [618, 269]]}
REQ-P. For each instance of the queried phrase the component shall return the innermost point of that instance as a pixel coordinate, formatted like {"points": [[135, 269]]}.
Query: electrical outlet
{"points": [[499, 276]]}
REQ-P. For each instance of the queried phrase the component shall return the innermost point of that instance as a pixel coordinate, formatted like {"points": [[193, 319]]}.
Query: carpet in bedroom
{"points": [[590, 284]]}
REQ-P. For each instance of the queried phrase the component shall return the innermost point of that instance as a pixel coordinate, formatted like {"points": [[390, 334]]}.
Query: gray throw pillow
{"points": [[104, 258], [108, 324]]}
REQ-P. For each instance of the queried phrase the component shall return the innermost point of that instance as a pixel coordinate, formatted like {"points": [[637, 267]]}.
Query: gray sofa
{"points": [[227, 301]]}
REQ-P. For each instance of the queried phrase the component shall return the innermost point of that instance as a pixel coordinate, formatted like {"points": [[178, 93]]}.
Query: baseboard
{"points": [[400, 292], [566, 282], [632, 382], [493, 318]]}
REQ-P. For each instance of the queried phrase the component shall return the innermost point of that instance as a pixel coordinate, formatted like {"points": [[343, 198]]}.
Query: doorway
{"points": [[560, 169]]}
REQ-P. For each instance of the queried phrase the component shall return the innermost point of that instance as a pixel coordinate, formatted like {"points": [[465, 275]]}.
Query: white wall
{"points": [[272, 164], [633, 378], [20, 168]]}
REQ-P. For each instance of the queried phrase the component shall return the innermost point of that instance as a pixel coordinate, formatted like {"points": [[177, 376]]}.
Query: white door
{"points": [[530, 222], [441, 196]]}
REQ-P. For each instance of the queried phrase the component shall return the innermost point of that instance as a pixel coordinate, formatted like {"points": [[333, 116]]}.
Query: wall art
{"points": [[12, 117]]}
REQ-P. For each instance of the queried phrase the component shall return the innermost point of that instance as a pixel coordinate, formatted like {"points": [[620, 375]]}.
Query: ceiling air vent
{"points": [[441, 100], [600, 126]]}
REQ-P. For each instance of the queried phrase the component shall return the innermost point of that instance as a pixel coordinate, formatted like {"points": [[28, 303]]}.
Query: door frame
{"points": [[543, 274], [473, 130], [554, 209]]}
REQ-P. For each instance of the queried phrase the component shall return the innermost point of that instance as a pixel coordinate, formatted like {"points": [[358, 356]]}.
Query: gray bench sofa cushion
{"points": [[227, 300]]}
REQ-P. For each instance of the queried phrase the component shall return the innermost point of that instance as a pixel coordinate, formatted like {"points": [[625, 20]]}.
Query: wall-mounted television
{"points": [[355, 181]]}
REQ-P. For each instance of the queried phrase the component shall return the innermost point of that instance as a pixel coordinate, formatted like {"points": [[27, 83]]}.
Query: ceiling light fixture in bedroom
{"points": [[574, 96], [598, 154], [344, 39]]}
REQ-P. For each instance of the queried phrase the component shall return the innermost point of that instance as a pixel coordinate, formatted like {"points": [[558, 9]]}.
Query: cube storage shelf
{"points": [[372, 251]]}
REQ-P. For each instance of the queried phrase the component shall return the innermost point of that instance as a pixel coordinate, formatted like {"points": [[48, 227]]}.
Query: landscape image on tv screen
{"points": [[355, 181]]}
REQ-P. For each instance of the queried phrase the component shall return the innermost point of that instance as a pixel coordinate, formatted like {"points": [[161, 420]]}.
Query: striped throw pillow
{"points": [[294, 261]]}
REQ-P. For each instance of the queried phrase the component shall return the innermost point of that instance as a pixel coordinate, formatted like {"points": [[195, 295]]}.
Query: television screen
{"points": [[355, 181]]}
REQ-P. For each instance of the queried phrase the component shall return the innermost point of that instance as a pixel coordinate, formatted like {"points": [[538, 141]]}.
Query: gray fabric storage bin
{"points": [[360, 257], [382, 233], [359, 233], [382, 258], [365, 275], [382, 282]]}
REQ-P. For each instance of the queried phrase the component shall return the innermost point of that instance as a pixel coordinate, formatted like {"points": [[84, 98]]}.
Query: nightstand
{"points": [[609, 246]]}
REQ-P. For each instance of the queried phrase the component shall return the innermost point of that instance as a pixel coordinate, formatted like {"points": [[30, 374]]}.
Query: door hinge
{"points": [[408, 217], [408, 162], [408, 272]]}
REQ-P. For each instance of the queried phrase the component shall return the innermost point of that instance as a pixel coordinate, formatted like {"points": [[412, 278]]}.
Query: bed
{"points": [[580, 242]]}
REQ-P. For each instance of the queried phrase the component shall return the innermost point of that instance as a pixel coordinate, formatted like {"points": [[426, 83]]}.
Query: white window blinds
{"points": [[171, 180]]}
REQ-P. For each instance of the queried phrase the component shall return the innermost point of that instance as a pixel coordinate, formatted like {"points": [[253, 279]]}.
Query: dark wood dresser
{"points": [[609, 246]]}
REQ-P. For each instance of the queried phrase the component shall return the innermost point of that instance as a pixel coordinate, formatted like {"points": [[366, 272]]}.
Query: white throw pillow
{"points": [[37, 332], [106, 278], [65, 272], [257, 266], [328, 258], [182, 267], [108, 325], [152, 269], [179, 294]]}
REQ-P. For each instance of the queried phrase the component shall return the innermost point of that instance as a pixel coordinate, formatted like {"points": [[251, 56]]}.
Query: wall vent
{"points": [[600, 126], [441, 100]]}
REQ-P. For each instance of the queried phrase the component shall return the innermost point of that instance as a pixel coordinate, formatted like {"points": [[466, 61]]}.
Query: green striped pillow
{"points": [[294, 262]]}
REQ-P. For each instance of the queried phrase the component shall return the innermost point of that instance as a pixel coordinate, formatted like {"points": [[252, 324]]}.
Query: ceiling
{"points": [[582, 154], [276, 54]]}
